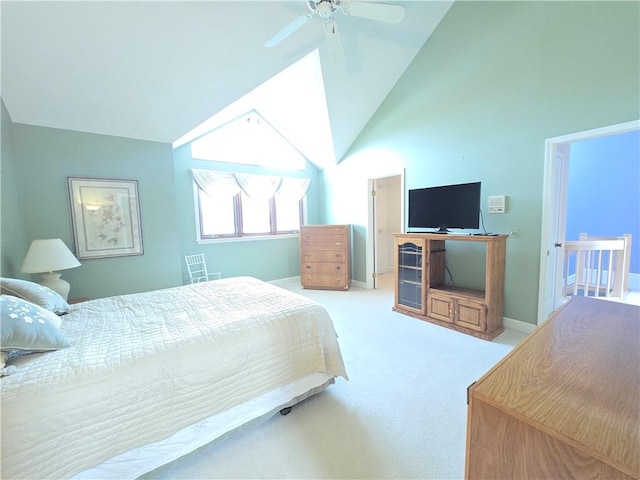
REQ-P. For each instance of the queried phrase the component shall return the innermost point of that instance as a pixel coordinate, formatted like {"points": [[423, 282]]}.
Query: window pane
{"points": [[255, 215], [218, 214], [287, 214], [250, 140]]}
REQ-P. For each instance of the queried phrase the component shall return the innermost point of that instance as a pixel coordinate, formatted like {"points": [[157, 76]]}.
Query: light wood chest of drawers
{"points": [[325, 256]]}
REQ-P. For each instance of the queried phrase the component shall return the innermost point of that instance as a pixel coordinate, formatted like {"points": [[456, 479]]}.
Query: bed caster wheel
{"points": [[285, 411]]}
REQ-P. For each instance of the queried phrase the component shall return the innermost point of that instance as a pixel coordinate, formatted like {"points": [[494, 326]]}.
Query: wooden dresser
{"points": [[325, 256], [565, 403]]}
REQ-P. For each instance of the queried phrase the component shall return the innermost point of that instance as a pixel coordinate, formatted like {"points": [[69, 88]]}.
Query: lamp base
{"points": [[55, 283]]}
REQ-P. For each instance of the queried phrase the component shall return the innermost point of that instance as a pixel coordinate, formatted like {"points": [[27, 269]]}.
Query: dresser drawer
{"points": [[324, 243], [313, 230], [318, 237], [325, 267], [334, 256], [325, 280]]}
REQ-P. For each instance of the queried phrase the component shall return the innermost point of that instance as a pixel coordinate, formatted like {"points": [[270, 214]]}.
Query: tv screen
{"points": [[447, 206]]}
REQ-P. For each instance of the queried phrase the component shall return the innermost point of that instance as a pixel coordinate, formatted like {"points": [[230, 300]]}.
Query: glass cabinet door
{"points": [[410, 275]]}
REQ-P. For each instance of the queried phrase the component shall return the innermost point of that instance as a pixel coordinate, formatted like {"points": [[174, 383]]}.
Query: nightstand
{"points": [[77, 300]]}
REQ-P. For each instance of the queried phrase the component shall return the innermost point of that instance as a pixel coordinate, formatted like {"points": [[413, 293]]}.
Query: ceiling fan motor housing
{"points": [[324, 8]]}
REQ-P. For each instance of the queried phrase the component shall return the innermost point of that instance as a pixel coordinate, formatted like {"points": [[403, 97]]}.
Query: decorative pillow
{"points": [[28, 327], [34, 293]]}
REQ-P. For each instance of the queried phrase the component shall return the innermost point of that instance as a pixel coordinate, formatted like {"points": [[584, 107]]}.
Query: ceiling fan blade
{"points": [[381, 12], [334, 40], [288, 30]]}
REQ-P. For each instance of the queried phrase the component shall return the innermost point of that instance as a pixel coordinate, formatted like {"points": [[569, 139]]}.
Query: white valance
{"points": [[293, 188], [258, 187], [255, 186], [216, 183]]}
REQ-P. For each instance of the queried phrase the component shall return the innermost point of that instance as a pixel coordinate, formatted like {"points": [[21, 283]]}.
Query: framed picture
{"points": [[106, 217]]}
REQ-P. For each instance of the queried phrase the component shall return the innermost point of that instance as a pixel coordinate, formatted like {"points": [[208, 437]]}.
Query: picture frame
{"points": [[105, 215]]}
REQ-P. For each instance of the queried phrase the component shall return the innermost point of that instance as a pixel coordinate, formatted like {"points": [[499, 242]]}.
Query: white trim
{"points": [[369, 260], [518, 325], [282, 282], [247, 238], [549, 197]]}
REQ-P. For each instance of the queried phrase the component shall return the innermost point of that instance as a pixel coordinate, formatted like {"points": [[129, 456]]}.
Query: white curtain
{"points": [[260, 187], [216, 183], [293, 188]]}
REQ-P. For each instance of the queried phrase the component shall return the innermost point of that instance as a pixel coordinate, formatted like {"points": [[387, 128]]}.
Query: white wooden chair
{"points": [[197, 268], [601, 266]]}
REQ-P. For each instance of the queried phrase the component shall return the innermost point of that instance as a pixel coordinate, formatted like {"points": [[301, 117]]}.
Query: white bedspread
{"points": [[143, 366]]}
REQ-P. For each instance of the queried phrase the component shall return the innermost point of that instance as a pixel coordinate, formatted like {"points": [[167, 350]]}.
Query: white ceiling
{"points": [[155, 70]]}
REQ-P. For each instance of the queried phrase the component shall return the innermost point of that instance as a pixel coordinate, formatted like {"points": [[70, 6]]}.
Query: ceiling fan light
{"points": [[325, 9]]}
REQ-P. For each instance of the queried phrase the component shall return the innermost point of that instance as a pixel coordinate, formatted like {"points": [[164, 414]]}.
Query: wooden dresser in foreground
{"points": [[325, 257], [565, 403]]}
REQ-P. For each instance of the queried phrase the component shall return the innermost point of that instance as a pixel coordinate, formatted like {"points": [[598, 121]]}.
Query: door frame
{"points": [[554, 210], [370, 259]]}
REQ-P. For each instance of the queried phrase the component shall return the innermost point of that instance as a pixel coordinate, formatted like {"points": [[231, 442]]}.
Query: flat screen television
{"points": [[444, 207]]}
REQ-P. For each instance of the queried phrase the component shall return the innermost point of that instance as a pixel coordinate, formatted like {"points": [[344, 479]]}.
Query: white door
{"points": [[386, 213], [554, 210]]}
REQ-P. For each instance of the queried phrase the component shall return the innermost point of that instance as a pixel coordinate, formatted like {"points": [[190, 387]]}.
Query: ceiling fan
{"points": [[325, 9]]}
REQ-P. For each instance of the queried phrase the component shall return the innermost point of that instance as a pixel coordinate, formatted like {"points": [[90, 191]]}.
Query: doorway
{"points": [[557, 159], [386, 217]]}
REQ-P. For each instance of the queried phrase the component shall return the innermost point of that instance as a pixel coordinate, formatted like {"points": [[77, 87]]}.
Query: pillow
{"points": [[34, 293], [28, 327]]}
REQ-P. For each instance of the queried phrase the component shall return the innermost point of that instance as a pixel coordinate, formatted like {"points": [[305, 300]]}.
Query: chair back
{"points": [[197, 268]]}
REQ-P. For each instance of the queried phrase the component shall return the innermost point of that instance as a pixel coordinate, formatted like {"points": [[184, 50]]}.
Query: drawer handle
{"points": [[308, 267], [338, 268]]}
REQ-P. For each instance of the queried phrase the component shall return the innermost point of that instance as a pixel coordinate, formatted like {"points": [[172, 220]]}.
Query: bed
{"points": [[150, 377]]}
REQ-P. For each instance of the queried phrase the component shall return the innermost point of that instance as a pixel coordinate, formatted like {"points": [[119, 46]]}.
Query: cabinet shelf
{"points": [[421, 291], [461, 291]]}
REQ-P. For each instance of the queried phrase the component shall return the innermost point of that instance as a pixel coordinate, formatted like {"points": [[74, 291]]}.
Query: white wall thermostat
{"points": [[498, 204]]}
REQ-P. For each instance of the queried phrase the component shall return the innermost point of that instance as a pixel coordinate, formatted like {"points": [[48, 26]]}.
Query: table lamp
{"points": [[45, 256]]}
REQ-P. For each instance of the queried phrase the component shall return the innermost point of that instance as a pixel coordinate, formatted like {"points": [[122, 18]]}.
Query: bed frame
{"points": [[151, 377]]}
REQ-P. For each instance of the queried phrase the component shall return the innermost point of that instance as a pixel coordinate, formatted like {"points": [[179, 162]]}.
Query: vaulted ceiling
{"points": [[155, 70]]}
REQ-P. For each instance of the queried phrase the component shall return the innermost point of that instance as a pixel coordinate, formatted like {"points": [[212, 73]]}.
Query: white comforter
{"points": [[143, 366]]}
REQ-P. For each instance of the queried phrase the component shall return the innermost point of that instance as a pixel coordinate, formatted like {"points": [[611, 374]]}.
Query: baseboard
{"points": [[509, 323], [285, 281], [290, 280], [518, 325]]}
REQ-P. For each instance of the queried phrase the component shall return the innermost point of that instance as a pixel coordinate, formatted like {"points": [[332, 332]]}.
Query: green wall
{"points": [[36, 162], [47, 156], [268, 259], [12, 226], [477, 103]]}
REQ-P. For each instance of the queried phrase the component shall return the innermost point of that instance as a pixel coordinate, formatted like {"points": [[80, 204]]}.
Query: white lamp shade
{"points": [[48, 256]]}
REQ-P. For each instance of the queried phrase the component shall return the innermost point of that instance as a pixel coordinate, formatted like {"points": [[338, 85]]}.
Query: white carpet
{"points": [[402, 414]]}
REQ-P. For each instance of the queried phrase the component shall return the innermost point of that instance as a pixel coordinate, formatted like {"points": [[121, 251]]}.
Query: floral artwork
{"points": [[106, 219]]}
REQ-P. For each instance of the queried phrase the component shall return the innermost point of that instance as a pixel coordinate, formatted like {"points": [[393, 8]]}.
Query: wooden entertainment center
{"points": [[421, 290]]}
